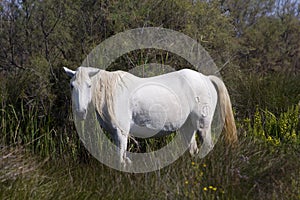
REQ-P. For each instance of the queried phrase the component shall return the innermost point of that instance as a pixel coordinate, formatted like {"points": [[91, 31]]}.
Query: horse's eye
{"points": [[89, 85], [71, 85]]}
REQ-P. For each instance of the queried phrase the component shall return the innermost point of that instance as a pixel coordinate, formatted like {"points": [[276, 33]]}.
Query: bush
{"points": [[283, 128]]}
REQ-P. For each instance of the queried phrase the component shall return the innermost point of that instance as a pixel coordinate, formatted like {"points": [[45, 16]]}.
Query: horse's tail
{"points": [[226, 110]]}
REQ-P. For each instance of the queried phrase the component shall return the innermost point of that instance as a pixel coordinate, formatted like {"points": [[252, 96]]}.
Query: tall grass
{"points": [[254, 169], [251, 171], [27, 127], [273, 91]]}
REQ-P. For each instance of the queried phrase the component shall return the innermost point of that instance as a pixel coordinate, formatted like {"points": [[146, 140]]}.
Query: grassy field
{"points": [[253, 170]]}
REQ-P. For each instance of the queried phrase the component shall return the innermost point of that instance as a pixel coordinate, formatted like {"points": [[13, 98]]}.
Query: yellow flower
{"points": [[186, 182], [201, 173], [204, 165], [269, 138], [205, 188], [294, 136], [212, 188], [193, 163]]}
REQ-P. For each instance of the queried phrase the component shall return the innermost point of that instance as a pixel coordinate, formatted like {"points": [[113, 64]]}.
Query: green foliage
{"points": [[29, 128], [274, 91], [285, 128], [274, 38]]}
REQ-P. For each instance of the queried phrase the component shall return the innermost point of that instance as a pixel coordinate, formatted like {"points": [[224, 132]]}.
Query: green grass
{"points": [[258, 168], [253, 170]]}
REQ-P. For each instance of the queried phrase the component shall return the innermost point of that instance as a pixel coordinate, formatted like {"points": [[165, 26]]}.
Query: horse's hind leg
{"points": [[189, 133], [193, 148], [207, 143]]}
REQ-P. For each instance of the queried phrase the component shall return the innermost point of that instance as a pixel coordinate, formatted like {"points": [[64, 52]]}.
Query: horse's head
{"points": [[81, 85]]}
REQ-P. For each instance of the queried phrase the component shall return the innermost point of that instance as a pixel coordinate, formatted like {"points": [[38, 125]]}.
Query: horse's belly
{"points": [[145, 132], [155, 109]]}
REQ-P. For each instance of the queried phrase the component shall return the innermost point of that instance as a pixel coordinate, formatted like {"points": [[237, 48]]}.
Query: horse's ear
{"points": [[92, 71], [69, 72]]}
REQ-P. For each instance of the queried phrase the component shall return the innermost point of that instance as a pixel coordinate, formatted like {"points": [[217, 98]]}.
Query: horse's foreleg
{"points": [[121, 142]]}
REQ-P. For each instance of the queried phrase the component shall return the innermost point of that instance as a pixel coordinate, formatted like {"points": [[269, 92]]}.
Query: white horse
{"points": [[149, 107]]}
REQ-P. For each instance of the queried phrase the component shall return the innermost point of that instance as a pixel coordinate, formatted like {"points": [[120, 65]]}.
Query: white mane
{"points": [[104, 87]]}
